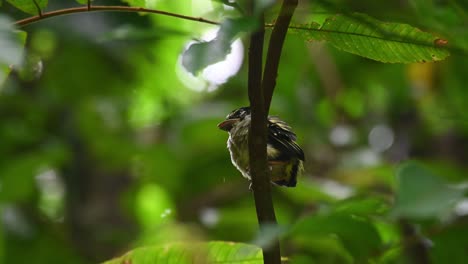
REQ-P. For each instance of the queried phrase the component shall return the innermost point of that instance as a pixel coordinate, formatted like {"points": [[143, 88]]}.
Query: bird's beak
{"points": [[227, 124]]}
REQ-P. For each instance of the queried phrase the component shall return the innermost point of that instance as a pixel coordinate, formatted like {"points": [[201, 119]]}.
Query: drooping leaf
{"points": [[181, 253], [204, 53], [11, 47], [29, 6], [421, 194], [381, 41], [356, 234]]}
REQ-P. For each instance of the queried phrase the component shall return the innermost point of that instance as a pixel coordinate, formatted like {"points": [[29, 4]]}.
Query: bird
{"points": [[285, 157]]}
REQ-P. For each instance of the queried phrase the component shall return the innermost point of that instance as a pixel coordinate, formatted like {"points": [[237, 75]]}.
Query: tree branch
{"points": [[91, 8], [274, 49], [259, 172], [260, 93], [415, 248]]}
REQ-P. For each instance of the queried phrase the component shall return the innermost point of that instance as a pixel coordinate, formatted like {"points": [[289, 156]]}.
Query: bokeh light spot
{"points": [[209, 217], [153, 205], [381, 138], [341, 135]]}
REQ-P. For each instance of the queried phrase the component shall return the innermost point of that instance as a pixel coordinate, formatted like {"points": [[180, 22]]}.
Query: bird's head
{"points": [[234, 118]]}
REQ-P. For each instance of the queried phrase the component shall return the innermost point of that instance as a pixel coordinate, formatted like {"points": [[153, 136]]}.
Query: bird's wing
{"points": [[281, 137]]}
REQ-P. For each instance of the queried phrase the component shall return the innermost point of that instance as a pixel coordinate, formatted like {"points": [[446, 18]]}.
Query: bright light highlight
{"points": [[216, 74]]}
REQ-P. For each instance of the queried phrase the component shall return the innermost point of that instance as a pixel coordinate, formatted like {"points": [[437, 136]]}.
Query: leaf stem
{"points": [[39, 11]]}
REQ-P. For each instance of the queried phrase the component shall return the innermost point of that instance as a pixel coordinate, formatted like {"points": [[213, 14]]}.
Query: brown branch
{"points": [[261, 184], [415, 248], [260, 93], [274, 49], [91, 8]]}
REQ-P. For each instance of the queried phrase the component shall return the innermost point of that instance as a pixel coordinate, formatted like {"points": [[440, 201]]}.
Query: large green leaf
{"points": [[421, 194], [28, 6], [381, 41], [357, 234], [363, 207], [180, 253]]}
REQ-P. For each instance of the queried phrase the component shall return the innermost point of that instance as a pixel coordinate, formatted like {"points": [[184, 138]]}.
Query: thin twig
{"points": [[91, 8], [89, 5], [274, 49]]}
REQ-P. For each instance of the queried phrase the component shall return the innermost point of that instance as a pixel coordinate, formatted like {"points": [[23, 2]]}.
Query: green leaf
{"points": [[202, 54], [180, 253], [307, 192], [11, 42], [82, 1], [28, 6], [358, 235], [421, 194], [381, 41], [140, 3], [363, 207], [450, 244]]}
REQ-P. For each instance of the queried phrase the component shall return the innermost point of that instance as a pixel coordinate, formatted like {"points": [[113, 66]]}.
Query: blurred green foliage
{"points": [[107, 144]]}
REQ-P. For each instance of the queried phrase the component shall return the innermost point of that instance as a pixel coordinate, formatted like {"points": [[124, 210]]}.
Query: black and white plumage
{"points": [[285, 157]]}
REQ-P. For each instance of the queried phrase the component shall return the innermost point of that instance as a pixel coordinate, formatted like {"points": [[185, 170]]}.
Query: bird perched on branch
{"points": [[285, 157]]}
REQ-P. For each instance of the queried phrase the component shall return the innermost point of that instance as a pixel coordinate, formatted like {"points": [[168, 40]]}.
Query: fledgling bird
{"points": [[285, 157]]}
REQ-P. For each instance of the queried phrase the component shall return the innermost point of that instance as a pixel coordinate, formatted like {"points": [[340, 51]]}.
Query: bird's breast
{"points": [[238, 146]]}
